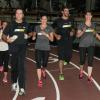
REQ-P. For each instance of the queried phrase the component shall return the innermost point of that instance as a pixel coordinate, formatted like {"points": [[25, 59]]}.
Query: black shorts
{"points": [[65, 51]]}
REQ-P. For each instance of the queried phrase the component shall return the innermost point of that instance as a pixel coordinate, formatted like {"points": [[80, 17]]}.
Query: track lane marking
{"points": [[94, 81], [52, 78]]}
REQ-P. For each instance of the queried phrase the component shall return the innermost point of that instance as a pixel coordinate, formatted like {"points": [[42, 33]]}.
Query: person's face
{"points": [[19, 14], [65, 12], [88, 16], [4, 24], [43, 19], [0, 23]]}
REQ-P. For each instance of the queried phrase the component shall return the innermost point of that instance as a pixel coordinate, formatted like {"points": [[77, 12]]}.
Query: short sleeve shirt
{"points": [[63, 27], [18, 29], [87, 39], [42, 42]]}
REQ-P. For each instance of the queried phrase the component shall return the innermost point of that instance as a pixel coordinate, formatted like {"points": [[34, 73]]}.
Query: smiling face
{"points": [[19, 14], [65, 12], [4, 25], [88, 16], [44, 20]]}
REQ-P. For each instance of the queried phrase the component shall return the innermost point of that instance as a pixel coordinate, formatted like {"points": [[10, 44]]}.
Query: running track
{"points": [[70, 89]]}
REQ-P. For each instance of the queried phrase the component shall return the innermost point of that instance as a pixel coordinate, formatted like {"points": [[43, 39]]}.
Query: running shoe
{"points": [[14, 87], [81, 75], [65, 63], [1, 68], [40, 84], [61, 77], [22, 91]]}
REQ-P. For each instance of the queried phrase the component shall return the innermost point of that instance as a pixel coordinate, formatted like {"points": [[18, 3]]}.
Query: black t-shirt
{"points": [[63, 27], [18, 29]]}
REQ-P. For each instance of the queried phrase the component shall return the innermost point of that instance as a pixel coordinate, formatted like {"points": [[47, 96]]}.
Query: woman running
{"points": [[4, 54], [86, 33], [44, 33]]}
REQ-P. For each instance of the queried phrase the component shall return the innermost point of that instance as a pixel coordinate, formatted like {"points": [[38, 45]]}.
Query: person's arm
{"points": [[49, 36], [73, 27], [72, 32], [79, 33], [33, 35], [98, 36], [7, 38], [81, 30], [6, 32], [29, 32], [57, 36]]}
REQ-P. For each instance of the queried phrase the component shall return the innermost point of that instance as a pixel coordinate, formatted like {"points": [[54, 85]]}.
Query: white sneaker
{"points": [[14, 87], [21, 91]]}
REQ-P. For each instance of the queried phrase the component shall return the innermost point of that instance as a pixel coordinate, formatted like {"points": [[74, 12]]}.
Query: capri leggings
{"points": [[90, 53], [41, 57], [4, 59]]}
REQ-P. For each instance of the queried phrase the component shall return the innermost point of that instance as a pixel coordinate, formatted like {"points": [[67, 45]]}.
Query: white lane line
{"points": [[94, 81], [17, 92], [55, 84], [52, 78]]}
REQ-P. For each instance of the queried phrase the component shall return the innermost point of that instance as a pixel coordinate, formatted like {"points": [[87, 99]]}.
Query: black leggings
{"points": [[4, 59], [41, 58], [90, 52], [18, 66]]}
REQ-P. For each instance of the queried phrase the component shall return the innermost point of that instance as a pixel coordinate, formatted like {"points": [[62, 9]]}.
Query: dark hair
{"points": [[64, 7], [43, 14], [88, 11], [19, 9]]}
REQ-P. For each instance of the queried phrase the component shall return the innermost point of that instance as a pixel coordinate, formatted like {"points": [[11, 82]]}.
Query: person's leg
{"points": [[61, 56], [90, 61], [14, 70], [21, 69], [82, 60], [61, 66], [14, 67], [1, 61], [68, 51], [61, 74], [44, 62], [38, 57], [6, 60]]}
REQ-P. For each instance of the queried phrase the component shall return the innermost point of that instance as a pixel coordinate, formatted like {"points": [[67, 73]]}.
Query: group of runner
{"points": [[14, 39]]}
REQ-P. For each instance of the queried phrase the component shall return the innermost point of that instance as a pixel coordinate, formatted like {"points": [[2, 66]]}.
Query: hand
{"points": [[58, 37], [84, 29], [45, 34], [33, 38], [11, 39], [98, 36], [25, 36], [71, 33]]}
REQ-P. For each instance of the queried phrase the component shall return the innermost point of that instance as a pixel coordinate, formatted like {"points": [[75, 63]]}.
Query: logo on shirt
{"points": [[89, 30], [19, 30], [66, 26]]}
